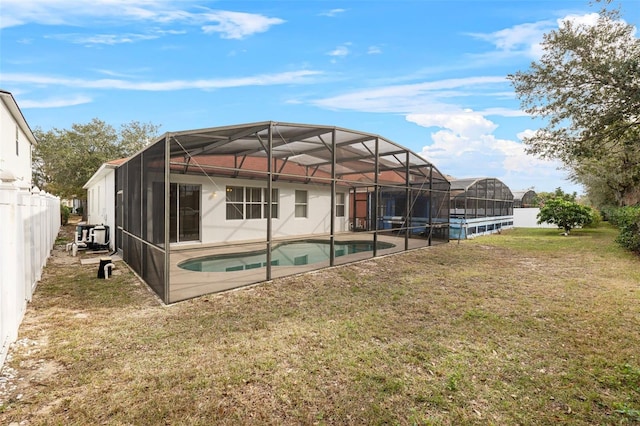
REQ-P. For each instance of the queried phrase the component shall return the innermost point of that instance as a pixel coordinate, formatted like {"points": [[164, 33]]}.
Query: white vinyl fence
{"points": [[528, 218], [29, 225]]}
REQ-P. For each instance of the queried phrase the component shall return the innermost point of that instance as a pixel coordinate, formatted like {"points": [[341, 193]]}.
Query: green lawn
{"points": [[526, 327]]}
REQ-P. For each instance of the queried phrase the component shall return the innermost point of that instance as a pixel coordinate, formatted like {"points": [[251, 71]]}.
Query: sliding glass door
{"points": [[184, 212]]}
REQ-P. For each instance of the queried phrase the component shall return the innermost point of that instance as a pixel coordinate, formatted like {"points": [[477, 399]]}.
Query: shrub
{"points": [[64, 214], [627, 219], [564, 213], [596, 219]]}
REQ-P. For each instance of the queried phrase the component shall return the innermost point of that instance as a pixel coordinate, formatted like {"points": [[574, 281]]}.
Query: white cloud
{"points": [[333, 12], [108, 39], [229, 24], [522, 39], [485, 155], [292, 77], [340, 51], [237, 25], [55, 102], [374, 50], [467, 124], [589, 19], [464, 144], [427, 97]]}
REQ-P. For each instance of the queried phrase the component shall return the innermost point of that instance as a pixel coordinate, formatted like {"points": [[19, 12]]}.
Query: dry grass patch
{"points": [[525, 327]]}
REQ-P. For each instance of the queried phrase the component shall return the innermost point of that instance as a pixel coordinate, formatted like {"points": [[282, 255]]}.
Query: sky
{"points": [[427, 74]]}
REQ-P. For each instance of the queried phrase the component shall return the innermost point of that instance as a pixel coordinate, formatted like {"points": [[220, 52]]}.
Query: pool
{"points": [[286, 254]]}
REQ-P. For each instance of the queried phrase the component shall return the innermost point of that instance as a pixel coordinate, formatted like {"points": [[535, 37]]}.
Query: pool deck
{"points": [[187, 284]]}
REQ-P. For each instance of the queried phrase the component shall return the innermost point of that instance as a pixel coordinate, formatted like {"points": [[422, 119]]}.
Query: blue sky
{"points": [[429, 75]]}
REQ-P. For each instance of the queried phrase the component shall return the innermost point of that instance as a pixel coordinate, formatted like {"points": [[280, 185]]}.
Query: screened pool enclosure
{"points": [[208, 210], [525, 199], [479, 206]]}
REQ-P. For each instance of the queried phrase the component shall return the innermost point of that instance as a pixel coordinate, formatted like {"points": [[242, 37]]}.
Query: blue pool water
{"points": [[285, 254]]}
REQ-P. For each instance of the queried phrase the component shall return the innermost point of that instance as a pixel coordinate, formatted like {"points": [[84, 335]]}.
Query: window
{"points": [[250, 203], [339, 204], [301, 203], [235, 202], [274, 203], [17, 142], [254, 203]]}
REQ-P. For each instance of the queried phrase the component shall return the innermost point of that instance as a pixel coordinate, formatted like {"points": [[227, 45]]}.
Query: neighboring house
{"points": [[101, 209], [479, 206], [29, 221], [258, 196]]}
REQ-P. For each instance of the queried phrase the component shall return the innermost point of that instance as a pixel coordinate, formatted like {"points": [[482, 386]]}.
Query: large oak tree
{"points": [[65, 159], [586, 86]]}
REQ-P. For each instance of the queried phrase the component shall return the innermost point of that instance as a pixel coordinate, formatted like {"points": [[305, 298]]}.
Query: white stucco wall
{"points": [[216, 228]]}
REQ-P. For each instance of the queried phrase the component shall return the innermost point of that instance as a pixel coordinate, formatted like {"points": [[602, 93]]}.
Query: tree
{"points": [[612, 180], [564, 213], [64, 160], [543, 197], [586, 85]]}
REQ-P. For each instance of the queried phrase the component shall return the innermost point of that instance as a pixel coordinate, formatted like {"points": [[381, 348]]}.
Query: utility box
{"points": [[100, 235]]}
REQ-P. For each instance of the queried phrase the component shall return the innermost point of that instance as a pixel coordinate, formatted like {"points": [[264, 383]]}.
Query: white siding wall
{"points": [[216, 228], [20, 164], [101, 209]]}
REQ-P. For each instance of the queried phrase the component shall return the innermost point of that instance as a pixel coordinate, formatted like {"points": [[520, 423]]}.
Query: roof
{"points": [[306, 145], [465, 184], [104, 170], [11, 103], [117, 162], [460, 187]]}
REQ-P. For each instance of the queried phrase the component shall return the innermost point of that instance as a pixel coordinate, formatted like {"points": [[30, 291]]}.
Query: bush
{"points": [[565, 214], [596, 219], [627, 219], [64, 214]]}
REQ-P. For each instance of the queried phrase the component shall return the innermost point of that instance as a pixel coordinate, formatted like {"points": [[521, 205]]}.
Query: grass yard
{"points": [[522, 328]]}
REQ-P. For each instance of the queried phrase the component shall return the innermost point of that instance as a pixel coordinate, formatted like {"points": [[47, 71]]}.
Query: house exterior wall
{"points": [[16, 160], [101, 197], [217, 229]]}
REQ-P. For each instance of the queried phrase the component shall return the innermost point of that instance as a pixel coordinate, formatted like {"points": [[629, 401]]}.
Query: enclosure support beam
{"points": [[167, 227], [352, 207], [376, 195], [332, 227], [268, 198], [407, 208], [430, 203]]}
